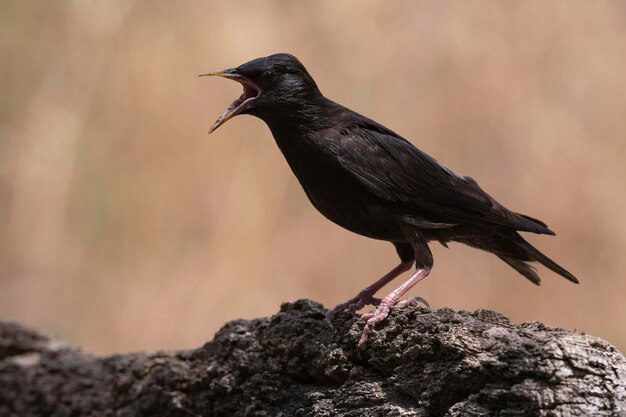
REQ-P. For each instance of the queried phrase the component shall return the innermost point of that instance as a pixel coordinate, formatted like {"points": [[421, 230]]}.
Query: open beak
{"points": [[250, 92]]}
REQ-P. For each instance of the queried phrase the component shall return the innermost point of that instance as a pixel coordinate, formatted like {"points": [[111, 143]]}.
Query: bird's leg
{"points": [[366, 296], [382, 311]]}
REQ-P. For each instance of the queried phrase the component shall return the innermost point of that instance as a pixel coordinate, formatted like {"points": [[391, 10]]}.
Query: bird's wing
{"points": [[428, 192]]}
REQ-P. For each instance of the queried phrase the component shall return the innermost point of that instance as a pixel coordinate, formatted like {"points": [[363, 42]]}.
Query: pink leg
{"points": [[382, 311], [367, 295]]}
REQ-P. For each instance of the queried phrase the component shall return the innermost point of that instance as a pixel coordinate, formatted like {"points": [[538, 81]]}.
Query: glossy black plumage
{"points": [[368, 179]]}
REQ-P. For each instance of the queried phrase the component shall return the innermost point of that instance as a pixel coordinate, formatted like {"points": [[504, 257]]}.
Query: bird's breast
{"points": [[335, 193]]}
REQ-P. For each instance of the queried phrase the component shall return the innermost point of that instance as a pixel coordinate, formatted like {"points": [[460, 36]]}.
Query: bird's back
{"points": [[357, 171]]}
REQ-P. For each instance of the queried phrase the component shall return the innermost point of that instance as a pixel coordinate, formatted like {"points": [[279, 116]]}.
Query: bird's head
{"points": [[270, 84]]}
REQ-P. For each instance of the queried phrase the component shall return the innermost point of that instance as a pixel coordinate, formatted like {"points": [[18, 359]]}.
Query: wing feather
{"points": [[390, 167]]}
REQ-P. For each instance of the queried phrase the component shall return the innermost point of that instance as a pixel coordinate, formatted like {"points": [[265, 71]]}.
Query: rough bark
{"points": [[418, 363]]}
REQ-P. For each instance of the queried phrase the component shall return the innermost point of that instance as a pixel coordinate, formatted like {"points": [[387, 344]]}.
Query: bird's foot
{"points": [[362, 299], [366, 296], [414, 299], [381, 313], [371, 319]]}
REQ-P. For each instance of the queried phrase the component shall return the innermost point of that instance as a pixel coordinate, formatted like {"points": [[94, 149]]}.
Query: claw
{"points": [[382, 311], [378, 315], [356, 303], [414, 299]]}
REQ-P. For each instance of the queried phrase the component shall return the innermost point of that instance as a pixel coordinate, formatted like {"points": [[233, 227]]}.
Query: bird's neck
{"points": [[301, 118]]}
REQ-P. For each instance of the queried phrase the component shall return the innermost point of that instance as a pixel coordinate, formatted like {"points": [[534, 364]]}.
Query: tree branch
{"points": [[418, 363]]}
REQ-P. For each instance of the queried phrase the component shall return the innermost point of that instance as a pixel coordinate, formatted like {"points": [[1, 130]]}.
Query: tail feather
{"points": [[544, 229], [517, 253], [523, 268], [536, 255]]}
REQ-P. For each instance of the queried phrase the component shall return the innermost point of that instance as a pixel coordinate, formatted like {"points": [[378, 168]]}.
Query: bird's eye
{"points": [[269, 75]]}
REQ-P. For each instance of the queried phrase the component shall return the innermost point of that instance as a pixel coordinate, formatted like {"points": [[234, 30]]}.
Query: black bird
{"points": [[371, 181]]}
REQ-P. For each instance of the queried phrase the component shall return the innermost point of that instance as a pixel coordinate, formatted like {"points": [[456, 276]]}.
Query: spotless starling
{"points": [[371, 181]]}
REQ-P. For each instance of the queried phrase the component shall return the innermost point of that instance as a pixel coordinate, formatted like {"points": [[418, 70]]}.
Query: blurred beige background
{"points": [[123, 226]]}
